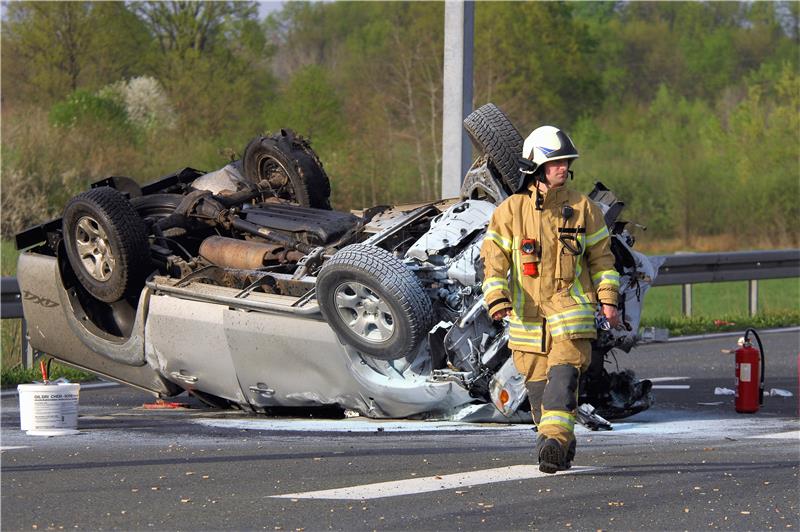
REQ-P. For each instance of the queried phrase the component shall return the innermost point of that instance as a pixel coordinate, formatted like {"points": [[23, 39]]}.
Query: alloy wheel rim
{"points": [[94, 249], [364, 312]]}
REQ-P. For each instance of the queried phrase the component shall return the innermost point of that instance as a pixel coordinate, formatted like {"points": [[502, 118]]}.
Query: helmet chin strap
{"points": [[541, 178]]}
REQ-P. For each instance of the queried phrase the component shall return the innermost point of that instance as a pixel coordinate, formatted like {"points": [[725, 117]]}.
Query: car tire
{"points": [[106, 243], [285, 165], [156, 206], [492, 133], [373, 302]]}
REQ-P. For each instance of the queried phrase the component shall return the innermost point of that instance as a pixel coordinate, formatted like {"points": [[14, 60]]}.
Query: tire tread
{"points": [[491, 131], [395, 277]]}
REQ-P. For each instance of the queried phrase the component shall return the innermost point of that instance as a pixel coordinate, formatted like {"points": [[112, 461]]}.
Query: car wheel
{"points": [[285, 166], [106, 243], [373, 302], [493, 133]]}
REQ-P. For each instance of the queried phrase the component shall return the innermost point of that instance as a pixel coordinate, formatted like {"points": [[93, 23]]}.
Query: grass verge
{"points": [[19, 375], [682, 325]]}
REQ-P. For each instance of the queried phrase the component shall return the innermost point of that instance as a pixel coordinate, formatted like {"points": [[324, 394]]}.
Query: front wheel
{"points": [[373, 302]]}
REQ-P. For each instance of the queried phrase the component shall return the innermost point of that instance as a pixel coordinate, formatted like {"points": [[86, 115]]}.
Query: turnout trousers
{"points": [[551, 379]]}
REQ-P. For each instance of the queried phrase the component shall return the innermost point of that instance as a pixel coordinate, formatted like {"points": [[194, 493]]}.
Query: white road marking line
{"points": [[13, 447], [667, 379], [791, 435], [671, 386], [413, 486]]}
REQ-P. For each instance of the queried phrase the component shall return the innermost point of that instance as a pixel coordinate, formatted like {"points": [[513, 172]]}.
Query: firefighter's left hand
{"points": [[612, 315]]}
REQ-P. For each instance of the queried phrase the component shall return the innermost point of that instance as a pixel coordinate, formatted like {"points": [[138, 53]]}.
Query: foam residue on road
{"points": [[663, 425], [680, 425]]}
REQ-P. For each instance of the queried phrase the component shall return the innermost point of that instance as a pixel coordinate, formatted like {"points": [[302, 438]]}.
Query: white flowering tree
{"points": [[145, 101]]}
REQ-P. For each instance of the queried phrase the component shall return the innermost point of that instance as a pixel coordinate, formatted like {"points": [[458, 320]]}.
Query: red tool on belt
{"points": [[529, 257]]}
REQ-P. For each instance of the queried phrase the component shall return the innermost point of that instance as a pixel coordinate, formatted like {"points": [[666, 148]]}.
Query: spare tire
{"points": [[373, 302], [106, 244], [156, 206], [285, 165], [493, 133]]}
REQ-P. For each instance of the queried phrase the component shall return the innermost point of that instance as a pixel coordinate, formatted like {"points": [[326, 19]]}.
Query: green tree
{"points": [[211, 61], [51, 49], [309, 104], [48, 45], [536, 60]]}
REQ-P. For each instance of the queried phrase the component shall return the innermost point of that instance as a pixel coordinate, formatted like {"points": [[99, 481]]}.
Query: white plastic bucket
{"points": [[48, 409]]}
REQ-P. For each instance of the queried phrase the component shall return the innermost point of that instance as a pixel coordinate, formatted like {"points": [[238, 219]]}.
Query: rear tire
{"points": [[373, 302], [106, 244], [493, 133], [285, 166]]}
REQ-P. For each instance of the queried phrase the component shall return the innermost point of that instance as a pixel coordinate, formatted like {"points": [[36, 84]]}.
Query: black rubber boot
{"points": [[551, 455]]}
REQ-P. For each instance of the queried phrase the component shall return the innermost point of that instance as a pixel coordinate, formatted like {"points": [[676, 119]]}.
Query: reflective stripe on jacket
{"points": [[568, 285]]}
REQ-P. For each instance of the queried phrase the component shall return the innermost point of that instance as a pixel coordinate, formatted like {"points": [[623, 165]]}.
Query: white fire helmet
{"points": [[548, 143]]}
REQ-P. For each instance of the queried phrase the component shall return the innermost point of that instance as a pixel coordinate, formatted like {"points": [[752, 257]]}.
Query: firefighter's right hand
{"points": [[500, 314]]}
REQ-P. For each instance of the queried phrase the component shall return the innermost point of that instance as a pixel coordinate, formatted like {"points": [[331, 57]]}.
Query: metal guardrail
{"points": [[681, 269], [11, 307], [11, 298], [688, 268], [691, 268]]}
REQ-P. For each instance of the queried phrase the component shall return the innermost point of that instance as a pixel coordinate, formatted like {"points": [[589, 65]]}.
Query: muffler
{"points": [[245, 254]]}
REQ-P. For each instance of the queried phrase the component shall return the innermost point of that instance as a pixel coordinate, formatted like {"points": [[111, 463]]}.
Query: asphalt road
{"points": [[690, 462]]}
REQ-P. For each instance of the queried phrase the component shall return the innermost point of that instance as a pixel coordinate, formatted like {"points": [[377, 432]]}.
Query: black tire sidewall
{"points": [[268, 149], [304, 170], [394, 347], [393, 282], [156, 206]]}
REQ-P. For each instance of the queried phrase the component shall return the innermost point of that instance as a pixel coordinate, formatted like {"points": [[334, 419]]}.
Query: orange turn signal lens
{"points": [[504, 396]]}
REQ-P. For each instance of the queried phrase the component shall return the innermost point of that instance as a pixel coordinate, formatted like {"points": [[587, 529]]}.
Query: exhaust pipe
{"points": [[245, 254]]}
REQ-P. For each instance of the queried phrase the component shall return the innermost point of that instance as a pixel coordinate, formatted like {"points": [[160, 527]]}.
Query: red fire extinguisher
{"points": [[749, 374]]}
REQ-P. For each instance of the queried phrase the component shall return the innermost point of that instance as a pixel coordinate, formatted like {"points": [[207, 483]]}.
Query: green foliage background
{"points": [[689, 110]]}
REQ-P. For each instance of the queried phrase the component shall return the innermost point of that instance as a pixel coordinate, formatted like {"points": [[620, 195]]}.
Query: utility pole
{"points": [[459, 29]]}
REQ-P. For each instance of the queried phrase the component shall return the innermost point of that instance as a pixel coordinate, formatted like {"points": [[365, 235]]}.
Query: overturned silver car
{"points": [[244, 288]]}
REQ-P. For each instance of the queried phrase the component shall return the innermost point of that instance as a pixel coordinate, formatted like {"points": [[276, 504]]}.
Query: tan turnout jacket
{"points": [[563, 296]]}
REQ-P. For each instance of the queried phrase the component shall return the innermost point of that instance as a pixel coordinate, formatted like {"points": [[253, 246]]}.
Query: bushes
{"points": [[144, 101], [91, 112]]}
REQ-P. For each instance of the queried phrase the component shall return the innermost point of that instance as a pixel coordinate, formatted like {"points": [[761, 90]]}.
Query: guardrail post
{"points": [[687, 300], [27, 350], [752, 299]]}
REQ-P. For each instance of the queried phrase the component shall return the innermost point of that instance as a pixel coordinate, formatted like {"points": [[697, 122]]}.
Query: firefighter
{"points": [[548, 265]]}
